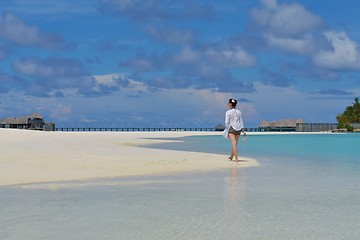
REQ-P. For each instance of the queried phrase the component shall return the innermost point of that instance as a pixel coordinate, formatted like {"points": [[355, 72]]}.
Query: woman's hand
{"points": [[243, 131]]}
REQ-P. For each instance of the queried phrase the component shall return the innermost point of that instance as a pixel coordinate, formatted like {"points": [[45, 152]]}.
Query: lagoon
{"points": [[306, 187]]}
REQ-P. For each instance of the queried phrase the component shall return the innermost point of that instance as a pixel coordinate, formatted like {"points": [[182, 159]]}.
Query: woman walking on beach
{"points": [[235, 125]]}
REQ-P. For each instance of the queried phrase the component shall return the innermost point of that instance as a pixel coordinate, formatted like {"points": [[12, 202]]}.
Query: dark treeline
{"points": [[350, 115]]}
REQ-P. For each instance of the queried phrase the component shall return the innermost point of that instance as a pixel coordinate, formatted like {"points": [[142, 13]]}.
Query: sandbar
{"points": [[39, 157]]}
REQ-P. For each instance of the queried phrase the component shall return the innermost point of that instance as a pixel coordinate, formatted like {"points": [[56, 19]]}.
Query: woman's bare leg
{"points": [[236, 151], [233, 140]]}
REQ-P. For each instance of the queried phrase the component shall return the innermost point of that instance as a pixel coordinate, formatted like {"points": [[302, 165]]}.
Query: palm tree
{"points": [[350, 115], [356, 111]]}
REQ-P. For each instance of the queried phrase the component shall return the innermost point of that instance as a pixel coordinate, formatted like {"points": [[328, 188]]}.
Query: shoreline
{"points": [[43, 157]]}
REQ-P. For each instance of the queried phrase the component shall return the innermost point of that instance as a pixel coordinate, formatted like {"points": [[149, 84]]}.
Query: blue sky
{"points": [[132, 63]]}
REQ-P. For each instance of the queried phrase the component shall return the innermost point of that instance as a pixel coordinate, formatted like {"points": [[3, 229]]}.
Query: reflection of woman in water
{"points": [[235, 125], [234, 193]]}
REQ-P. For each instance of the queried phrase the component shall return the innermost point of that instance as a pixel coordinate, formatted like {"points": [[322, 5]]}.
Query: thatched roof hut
{"points": [[32, 121], [280, 123], [219, 127]]}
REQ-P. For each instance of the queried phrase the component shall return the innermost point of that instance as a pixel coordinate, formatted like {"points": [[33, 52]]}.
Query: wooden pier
{"points": [[93, 129], [300, 127], [133, 129]]}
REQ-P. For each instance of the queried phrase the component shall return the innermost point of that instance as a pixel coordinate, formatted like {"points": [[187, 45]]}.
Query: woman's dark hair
{"points": [[233, 102]]}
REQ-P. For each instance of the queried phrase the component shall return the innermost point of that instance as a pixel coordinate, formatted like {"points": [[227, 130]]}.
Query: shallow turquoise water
{"points": [[338, 150], [307, 187], [333, 146]]}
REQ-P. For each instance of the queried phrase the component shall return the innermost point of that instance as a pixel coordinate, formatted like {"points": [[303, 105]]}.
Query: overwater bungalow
{"points": [[281, 125], [34, 121]]}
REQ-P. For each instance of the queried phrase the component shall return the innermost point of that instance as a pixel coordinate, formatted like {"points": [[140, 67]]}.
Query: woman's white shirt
{"points": [[233, 118]]}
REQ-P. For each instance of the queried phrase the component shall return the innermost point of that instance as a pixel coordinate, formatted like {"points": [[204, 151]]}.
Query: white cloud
{"points": [[344, 54], [15, 30], [50, 68], [33, 67], [54, 75], [270, 4], [206, 66], [120, 81], [301, 46], [288, 19], [230, 56], [289, 27], [222, 55], [107, 79], [293, 29]]}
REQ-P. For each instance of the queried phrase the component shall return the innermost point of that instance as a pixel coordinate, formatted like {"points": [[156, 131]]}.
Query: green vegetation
{"points": [[350, 115]]}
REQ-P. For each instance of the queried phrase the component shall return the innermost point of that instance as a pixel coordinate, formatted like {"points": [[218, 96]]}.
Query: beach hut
{"points": [[219, 127], [15, 122], [281, 125], [34, 121]]}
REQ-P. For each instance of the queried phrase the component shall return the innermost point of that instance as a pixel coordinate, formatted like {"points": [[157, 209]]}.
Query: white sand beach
{"points": [[37, 157]]}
